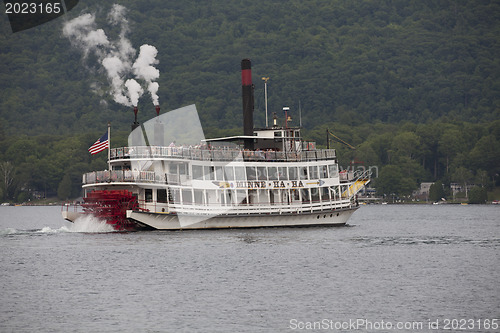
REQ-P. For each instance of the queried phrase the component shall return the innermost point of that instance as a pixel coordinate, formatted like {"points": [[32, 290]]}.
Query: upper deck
{"points": [[220, 154]]}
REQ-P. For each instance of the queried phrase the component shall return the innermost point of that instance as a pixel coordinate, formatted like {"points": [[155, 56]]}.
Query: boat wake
{"points": [[85, 224], [90, 224]]}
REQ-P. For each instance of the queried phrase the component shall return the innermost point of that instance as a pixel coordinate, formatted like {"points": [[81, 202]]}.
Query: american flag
{"points": [[100, 145]]}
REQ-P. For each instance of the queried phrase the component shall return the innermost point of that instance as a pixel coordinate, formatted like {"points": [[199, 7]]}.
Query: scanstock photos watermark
{"points": [[463, 324], [354, 324]]}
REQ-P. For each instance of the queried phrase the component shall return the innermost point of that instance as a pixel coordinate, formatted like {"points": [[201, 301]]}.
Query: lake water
{"points": [[411, 268]]}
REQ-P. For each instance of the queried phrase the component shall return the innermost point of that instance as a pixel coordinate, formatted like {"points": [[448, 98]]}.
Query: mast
{"points": [[109, 146], [265, 96]]}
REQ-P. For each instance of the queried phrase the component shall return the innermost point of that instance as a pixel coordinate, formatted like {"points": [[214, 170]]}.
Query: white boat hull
{"points": [[172, 222], [71, 216]]}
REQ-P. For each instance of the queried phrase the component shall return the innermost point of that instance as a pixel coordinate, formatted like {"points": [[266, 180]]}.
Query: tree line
{"points": [[404, 154], [408, 154]]}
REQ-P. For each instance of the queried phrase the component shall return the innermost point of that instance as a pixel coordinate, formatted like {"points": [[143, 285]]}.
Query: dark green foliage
{"points": [[346, 61], [392, 181], [64, 188], [478, 195], [436, 191], [413, 85]]}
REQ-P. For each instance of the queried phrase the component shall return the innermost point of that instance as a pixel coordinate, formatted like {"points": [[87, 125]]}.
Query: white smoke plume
{"points": [[83, 33], [115, 69], [143, 70], [116, 56], [135, 91]]}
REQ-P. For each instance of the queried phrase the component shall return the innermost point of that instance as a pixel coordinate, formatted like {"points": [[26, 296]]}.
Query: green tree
{"points": [[436, 191], [478, 195], [463, 177], [450, 143], [392, 181], [482, 178], [64, 189], [7, 174]]}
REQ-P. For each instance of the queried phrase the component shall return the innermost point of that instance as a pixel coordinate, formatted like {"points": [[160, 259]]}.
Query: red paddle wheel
{"points": [[111, 206]]}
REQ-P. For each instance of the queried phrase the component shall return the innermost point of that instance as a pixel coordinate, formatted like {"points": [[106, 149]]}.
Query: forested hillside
{"points": [[426, 70], [351, 61]]}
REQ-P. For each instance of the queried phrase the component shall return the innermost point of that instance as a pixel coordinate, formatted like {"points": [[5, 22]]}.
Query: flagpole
{"points": [[109, 146]]}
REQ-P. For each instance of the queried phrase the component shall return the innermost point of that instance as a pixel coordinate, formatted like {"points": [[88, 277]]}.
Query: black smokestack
{"points": [[248, 102], [135, 124]]}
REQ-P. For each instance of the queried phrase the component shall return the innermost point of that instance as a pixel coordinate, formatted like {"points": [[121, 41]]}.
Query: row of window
{"points": [[229, 173], [236, 197]]}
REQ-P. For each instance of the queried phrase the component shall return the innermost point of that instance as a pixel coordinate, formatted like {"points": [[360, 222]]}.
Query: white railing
{"points": [[132, 176], [245, 208], [220, 154]]}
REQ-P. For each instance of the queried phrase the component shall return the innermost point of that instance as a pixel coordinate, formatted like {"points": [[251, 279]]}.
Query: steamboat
{"points": [[267, 177]]}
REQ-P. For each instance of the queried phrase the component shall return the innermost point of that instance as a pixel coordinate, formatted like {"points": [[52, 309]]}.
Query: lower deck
{"points": [[179, 222]]}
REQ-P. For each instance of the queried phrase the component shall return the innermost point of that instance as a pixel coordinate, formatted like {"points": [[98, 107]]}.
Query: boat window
{"points": [[173, 195], [183, 169], [273, 173], [325, 194], [148, 195], [323, 171], [277, 134], [332, 168], [261, 173], [197, 172], [187, 197], [209, 172], [285, 197], [304, 193], [252, 197], [241, 197], [292, 173], [283, 173], [161, 196], [229, 172], [313, 172], [211, 197], [263, 196], [172, 168], [303, 172], [239, 173], [228, 197], [274, 197], [198, 197], [251, 175], [315, 194], [295, 194], [219, 173]]}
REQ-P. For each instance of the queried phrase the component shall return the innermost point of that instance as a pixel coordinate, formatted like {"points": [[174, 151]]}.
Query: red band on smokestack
{"points": [[248, 101], [246, 77], [246, 72]]}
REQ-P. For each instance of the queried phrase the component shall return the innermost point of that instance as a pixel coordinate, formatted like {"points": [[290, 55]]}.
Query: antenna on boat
{"points": [[109, 145], [285, 111], [265, 79], [300, 115]]}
